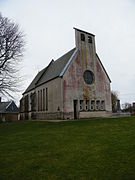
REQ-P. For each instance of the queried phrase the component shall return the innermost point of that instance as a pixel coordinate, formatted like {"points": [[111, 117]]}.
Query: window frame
{"points": [[88, 77], [81, 105], [82, 37], [92, 105], [103, 105], [87, 105], [89, 39], [98, 105]]}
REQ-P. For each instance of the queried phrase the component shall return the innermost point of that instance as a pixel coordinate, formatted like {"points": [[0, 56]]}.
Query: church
{"points": [[74, 86]]}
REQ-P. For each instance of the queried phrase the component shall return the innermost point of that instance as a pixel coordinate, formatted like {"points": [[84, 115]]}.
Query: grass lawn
{"points": [[94, 149]]}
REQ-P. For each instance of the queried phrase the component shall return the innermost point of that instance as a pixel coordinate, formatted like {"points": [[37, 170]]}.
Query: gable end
{"points": [[103, 68]]}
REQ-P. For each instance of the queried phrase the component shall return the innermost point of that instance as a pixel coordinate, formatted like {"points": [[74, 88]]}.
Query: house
{"points": [[74, 86], [8, 111]]}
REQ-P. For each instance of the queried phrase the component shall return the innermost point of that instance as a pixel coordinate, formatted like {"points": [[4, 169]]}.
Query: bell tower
{"points": [[85, 42]]}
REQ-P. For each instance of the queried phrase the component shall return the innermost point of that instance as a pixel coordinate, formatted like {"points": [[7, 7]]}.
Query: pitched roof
{"points": [[53, 70], [56, 69], [6, 107], [32, 85], [3, 106]]}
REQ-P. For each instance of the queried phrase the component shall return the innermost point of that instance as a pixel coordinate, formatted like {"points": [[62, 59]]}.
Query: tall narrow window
{"points": [[26, 103], [82, 37], [38, 102], [102, 105], [33, 101], [43, 99], [87, 105], [81, 105], [92, 105], [89, 39], [97, 105], [46, 99]]}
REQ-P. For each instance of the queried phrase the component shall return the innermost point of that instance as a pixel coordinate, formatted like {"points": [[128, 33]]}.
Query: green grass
{"points": [[94, 149]]}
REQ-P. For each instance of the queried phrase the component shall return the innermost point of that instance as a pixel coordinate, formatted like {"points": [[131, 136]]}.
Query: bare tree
{"points": [[11, 53], [114, 97], [127, 107]]}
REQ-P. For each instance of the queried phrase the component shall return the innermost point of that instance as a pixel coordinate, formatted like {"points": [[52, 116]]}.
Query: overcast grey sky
{"points": [[48, 25]]}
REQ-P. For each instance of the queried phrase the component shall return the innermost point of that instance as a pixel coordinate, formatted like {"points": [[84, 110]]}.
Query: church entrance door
{"points": [[75, 109]]}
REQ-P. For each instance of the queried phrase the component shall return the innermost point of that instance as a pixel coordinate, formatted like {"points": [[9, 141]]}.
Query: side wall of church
{"points": [[45, 102], [50, 104]]}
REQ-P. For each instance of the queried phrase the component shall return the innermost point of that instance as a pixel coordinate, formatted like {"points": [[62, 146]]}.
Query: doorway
{"points": [[75, 109]]}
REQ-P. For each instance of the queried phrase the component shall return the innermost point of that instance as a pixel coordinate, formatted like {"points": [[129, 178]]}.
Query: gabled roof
{"points": [[9, 106], [53, 70], [3, 106], [56, 69], [32, 85]]}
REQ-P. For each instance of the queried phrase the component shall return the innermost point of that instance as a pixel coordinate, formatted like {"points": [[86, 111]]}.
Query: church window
{"points": [[26, 103], [89, 39], [102, 105], [43, 99], [81, 105], [97, 105], [92, 105], [82, 37], [33, 101], [46, 99], [38, 102], [87, 105], [88, 77]]}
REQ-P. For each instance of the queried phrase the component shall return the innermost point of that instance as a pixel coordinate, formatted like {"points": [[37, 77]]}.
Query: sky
{"points": [[48, 28]]}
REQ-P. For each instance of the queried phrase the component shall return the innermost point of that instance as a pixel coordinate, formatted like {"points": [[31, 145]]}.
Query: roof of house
{"points": [[9, 106], [3, 106], [53, 70]]}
